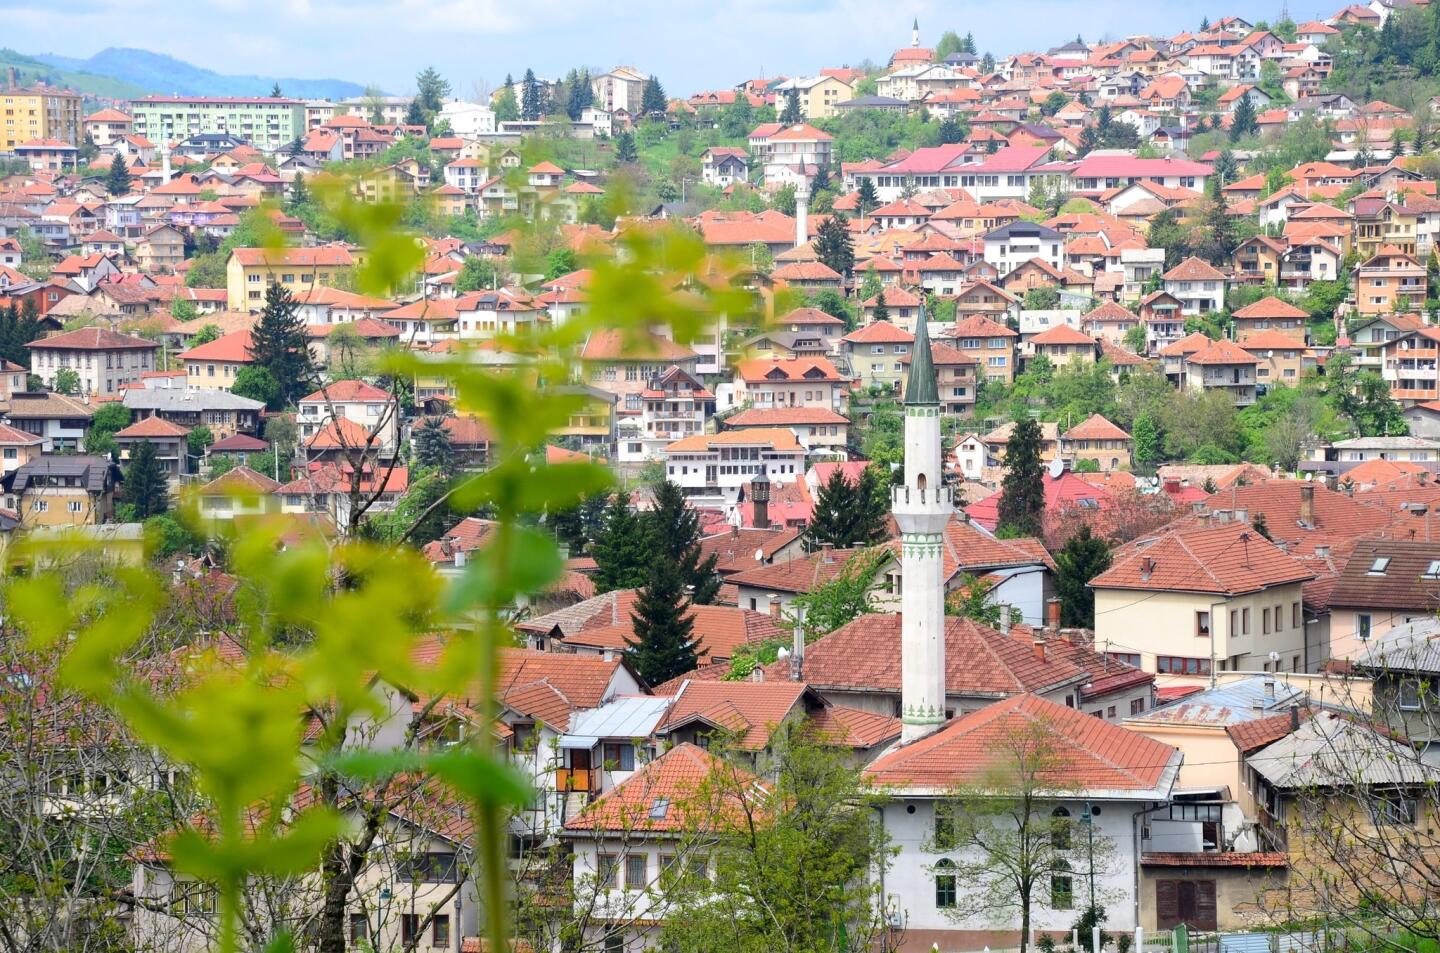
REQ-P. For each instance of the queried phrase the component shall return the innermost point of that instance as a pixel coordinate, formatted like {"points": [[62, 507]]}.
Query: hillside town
{"points": [[961, 501]]}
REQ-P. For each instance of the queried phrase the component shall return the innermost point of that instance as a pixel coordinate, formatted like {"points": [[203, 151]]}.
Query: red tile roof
{"points": [[1062, 334], [664, 795], [749, 710], [1270, 307], [93, 339], [1230, 559], [1083, 753], [320, 255], [1096, 427], [153, 427], [1194, 269], [606, 344], [229, 348], [348, 391], [879, 332]]}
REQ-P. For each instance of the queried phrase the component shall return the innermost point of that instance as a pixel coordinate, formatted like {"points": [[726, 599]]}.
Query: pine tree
{"points": [[881, 313], [529, 97], [1260, 525], [1242, 120], [299, 191], [869, 201], [145, 487], [833, 245], [1022, 491], [117, 179], [432, 448], [414, 114], [506, 109], [625, 150], [675, 533], [791, 115], [275, 91], [652, 99], [664, 643], [830, 517], [622, 548], [431, 89], [278, 344], [1083, 557]]}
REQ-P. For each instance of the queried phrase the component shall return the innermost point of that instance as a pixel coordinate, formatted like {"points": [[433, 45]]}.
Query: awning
{"points": [[578, 742]]}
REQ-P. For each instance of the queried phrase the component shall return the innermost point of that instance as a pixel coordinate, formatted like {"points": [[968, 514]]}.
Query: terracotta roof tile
{"points": [[663, 795]]}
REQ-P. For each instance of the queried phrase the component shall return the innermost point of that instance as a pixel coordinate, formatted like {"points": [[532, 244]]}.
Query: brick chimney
{"points": [[1052, 612], [774, 606], [1038, 647], [1307, 505]]}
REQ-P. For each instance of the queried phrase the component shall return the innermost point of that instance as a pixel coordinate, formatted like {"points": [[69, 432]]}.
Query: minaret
{"points": [[922, 508], [915, 33], [802, 209]]}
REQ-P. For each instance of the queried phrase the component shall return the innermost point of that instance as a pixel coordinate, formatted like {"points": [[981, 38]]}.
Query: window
{"points": [[1294, 615], [1062, 891], [359, 927], [1410, 693], [609, 870], [944, 825], [614, 943], [945, 891], [1176, 665], [1245, 621], [1279, 618], [620, 757], [76, 506], [1129, 658], [635, 872], [432, 868], [440, 930], [1362, 625], [189, 896], [1265, 621], [1378, 567], [1431, 572], [409, 927], [1060, 829], [1395, 810], [1137, 706], [1202, 624]]}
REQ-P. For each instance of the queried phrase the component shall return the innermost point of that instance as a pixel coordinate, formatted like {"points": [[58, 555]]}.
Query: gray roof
{"points": [[1228, 704], [93, 470], [1023, 229], [634, 716], [1386, 443], [921, 389], [181, 399], [1332, 749], [860, 102], [1413, 647]]}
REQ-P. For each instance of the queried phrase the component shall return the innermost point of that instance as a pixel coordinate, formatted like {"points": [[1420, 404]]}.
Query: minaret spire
{"points": [[915, 33], [922, 507]]}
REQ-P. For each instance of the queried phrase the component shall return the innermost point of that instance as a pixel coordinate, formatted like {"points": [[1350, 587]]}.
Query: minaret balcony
{"points": [[922, 510]]}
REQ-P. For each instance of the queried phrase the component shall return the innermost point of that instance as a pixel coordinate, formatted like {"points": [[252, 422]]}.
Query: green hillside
{"points": [[91, 84]]}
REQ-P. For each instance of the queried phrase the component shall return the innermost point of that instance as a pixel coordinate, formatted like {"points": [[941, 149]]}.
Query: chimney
{"points": [[1038, 646], [1005, 620], [1307, 505], [1242, 516], [827, 552], [1269, 688], [1052, 612], [760, 496], [797, 649], [1294, 717], [1147, 566], [774, 606]]}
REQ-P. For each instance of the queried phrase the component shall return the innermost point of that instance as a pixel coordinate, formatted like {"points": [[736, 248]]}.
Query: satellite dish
{"points": [[759, 555], [1057, 467], [782, 653], [1274, 656]]}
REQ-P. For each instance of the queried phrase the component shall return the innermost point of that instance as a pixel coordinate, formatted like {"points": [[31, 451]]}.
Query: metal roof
{"points": [[1228, 704], [1411, 647], [625, 717], [1332, 750], [187, 399]]}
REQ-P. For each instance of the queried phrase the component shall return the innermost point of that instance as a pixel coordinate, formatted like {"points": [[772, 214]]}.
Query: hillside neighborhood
{"points": [[966, 500]]}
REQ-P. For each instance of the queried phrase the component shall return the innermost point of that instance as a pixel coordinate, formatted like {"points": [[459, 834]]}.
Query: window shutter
{"points": [[1205, 904], [1167, 904]]}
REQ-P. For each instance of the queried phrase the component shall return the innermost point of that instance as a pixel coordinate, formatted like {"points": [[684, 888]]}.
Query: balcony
{"points": [[1413, 393], [577, 779]]}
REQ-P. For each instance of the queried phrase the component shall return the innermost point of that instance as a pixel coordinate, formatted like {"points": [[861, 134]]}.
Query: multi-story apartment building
{"points": [[251, 270], [1223, 365], [621, 88], [37, 113], [1388, 282], [265, 123], [674, 406], [101, 359], [712, 468]]}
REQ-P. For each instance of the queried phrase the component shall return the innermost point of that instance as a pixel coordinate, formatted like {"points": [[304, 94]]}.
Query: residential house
{"points": [[249, 271], [166, 439], [956, 378], [821, 431], [1097, 438], [1063, 346], [876, 353], [1270, 315], [991, 343], [723, 166], [1226, 366], [1281, 358], [1012, 245], [1192, 600], [1197, 285], [373, 412], [624, 363], [714, 468], [1390, 281], [224, 414], [102, 360], [58, 491], [215, 364], [674, 405], [1385, 583], [59, 421], [803, 382]]}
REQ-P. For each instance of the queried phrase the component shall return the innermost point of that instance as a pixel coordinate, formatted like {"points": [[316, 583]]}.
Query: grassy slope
{"points": [[91, 84]]}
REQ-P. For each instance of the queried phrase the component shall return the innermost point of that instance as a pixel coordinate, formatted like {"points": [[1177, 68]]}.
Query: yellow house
{"points": [[592, 425], [65, 491], [215, 364], [39, 112], [251, 270], [818, 95], [1201, 598]]}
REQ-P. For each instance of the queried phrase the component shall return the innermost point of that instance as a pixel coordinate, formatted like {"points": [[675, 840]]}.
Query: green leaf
{"points": [[39, 605], [484, 780], [519, 562]]}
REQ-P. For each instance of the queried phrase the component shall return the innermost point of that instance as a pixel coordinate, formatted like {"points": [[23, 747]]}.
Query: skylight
{"points": [[1378, 567], [659, 809], [1433, 570]]}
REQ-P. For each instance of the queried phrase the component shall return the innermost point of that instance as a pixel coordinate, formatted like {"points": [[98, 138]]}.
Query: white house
{"points": [[712, 468]]}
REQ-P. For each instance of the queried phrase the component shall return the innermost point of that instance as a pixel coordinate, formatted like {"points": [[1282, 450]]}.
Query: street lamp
{"points": [[1087, 818]]}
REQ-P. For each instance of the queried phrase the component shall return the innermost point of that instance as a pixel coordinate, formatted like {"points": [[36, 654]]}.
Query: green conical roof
{"points": [[921, 387]]}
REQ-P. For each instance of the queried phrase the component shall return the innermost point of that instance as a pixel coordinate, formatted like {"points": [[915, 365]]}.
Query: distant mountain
{"points": [[145, 71], [94, 85]]}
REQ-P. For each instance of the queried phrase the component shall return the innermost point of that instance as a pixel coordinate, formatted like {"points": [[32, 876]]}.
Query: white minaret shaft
{"points": [[922, 508], [802, 210]]}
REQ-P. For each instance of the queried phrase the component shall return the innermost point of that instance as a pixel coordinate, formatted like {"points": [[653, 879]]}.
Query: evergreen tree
{"points": [[621, 548], [432, 450], [951, 132], [575, 526], [299, 191], [664, 643], [833, 245], [652, 98], [414, 114], [431, 90], [1242, 120], [791, 115], [275, 91], [1022, 491], [869, 201], [529, 97], [830, 518], [881, 312], [117, 179], [278, 344], [1397, 142], [625, 150], [969, 44], [1260, 525], [1226, 169], [145, 487], [506, 109], [1083, 557], [675, 538]]}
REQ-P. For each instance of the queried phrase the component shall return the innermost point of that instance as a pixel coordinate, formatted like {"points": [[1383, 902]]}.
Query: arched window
{"points": [[920, 481], [1060, 829], [944, 884]]}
